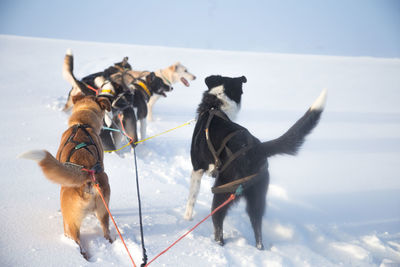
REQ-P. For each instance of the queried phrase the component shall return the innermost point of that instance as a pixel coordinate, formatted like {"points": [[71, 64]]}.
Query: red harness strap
{"points": [[93, 89]]}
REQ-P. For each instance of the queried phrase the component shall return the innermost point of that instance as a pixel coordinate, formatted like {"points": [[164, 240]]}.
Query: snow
{"points": [[335, 204]]}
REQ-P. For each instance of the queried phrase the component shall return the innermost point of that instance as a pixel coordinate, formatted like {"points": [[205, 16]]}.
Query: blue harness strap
{"points": [[82, 145]]}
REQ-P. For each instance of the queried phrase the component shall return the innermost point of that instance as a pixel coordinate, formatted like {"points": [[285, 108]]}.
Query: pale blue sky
{"points": [[330, 27]]}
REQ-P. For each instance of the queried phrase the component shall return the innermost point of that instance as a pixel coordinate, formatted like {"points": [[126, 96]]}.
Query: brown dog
{"points": [[80, 147]]}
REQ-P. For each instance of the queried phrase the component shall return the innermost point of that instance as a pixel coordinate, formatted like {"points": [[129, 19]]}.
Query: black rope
{"points": [[140, 212]]}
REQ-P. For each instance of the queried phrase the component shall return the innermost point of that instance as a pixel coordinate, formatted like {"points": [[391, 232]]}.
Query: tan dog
{"points": [[170, 75], [80, 147]]}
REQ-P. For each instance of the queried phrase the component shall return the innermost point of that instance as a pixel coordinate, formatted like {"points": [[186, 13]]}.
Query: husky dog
{"points": [[170, 75], [232, 155], [80, 148]]}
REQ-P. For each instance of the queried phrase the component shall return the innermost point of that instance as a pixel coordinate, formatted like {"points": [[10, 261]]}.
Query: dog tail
{"points": [[55, 171], [68, 68], [291, 141]]}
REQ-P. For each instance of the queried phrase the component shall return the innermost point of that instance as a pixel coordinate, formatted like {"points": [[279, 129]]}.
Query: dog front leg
{"points": [[153, 99], [195, 182]]}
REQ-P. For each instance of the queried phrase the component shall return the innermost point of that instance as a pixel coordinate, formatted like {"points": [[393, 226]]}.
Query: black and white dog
{"points": [[230, 153]]}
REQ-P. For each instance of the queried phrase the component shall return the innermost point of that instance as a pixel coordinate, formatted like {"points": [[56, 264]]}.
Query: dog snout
{"points": [[194, 77]]}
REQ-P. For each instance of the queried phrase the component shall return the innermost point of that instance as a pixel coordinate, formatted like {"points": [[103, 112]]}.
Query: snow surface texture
{"points": [[335, 204]]}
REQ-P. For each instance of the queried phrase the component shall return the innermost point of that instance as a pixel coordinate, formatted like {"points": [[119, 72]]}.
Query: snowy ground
{"points": [[335, 204]]}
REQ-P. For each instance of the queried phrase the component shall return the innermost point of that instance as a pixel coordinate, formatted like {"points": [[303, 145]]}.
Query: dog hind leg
{"points": [[101, 211], [68, 105], [106, 140], [143, 125], [255, 209], [103, 217], [195, 182], [218, 217], [71, 230]]}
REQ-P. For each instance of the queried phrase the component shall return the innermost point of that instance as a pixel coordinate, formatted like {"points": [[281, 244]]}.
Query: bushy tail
{"points": [[55, 171], [68, 73], [291, 141], [68, 68]]}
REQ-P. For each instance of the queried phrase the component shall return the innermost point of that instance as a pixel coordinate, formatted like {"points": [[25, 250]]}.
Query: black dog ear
{"points": [[243, 79], [125, 64], [213, 81], [150, 77]]}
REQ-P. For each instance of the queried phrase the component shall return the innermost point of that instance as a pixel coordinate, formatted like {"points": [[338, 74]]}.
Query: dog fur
{"points": [[78, 197], [224, 96]]}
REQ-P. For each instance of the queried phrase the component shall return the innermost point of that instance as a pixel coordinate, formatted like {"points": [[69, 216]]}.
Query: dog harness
{"points": [[216, 153], [82, 145], [232, 156], [144, 87]]}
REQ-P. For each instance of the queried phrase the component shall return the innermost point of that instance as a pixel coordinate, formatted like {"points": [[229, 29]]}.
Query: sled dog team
{"points": [[220, 147]]}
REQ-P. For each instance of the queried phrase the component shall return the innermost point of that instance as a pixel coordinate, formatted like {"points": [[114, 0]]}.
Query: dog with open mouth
{"points": [[80, 148], [233, 156], [170, 75]]}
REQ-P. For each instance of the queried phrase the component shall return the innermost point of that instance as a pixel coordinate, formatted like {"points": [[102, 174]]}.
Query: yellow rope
{"points": [[151, 137], [110, 151]]}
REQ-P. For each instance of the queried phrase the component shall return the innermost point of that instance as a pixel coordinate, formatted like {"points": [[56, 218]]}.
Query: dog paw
{"points": [[109, 239], [260, 246], [188, 213], [220, 242], [188, 217], [84, 253]]}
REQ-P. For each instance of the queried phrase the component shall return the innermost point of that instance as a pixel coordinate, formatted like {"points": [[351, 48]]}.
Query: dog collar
{"points": [[165, 78], [144, 86]]}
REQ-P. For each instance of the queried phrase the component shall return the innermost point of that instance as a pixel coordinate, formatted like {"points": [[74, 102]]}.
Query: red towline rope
{"points": [[93, 89], [231, 198], [91, 173]]}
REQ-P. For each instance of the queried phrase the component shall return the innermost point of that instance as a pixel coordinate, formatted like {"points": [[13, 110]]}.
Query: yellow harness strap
{"points": [[144, 86], [107, 91]]}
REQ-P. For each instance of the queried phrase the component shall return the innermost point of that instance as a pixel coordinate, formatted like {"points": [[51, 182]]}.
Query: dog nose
{"points": [[194, 77], [172, 88]]}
